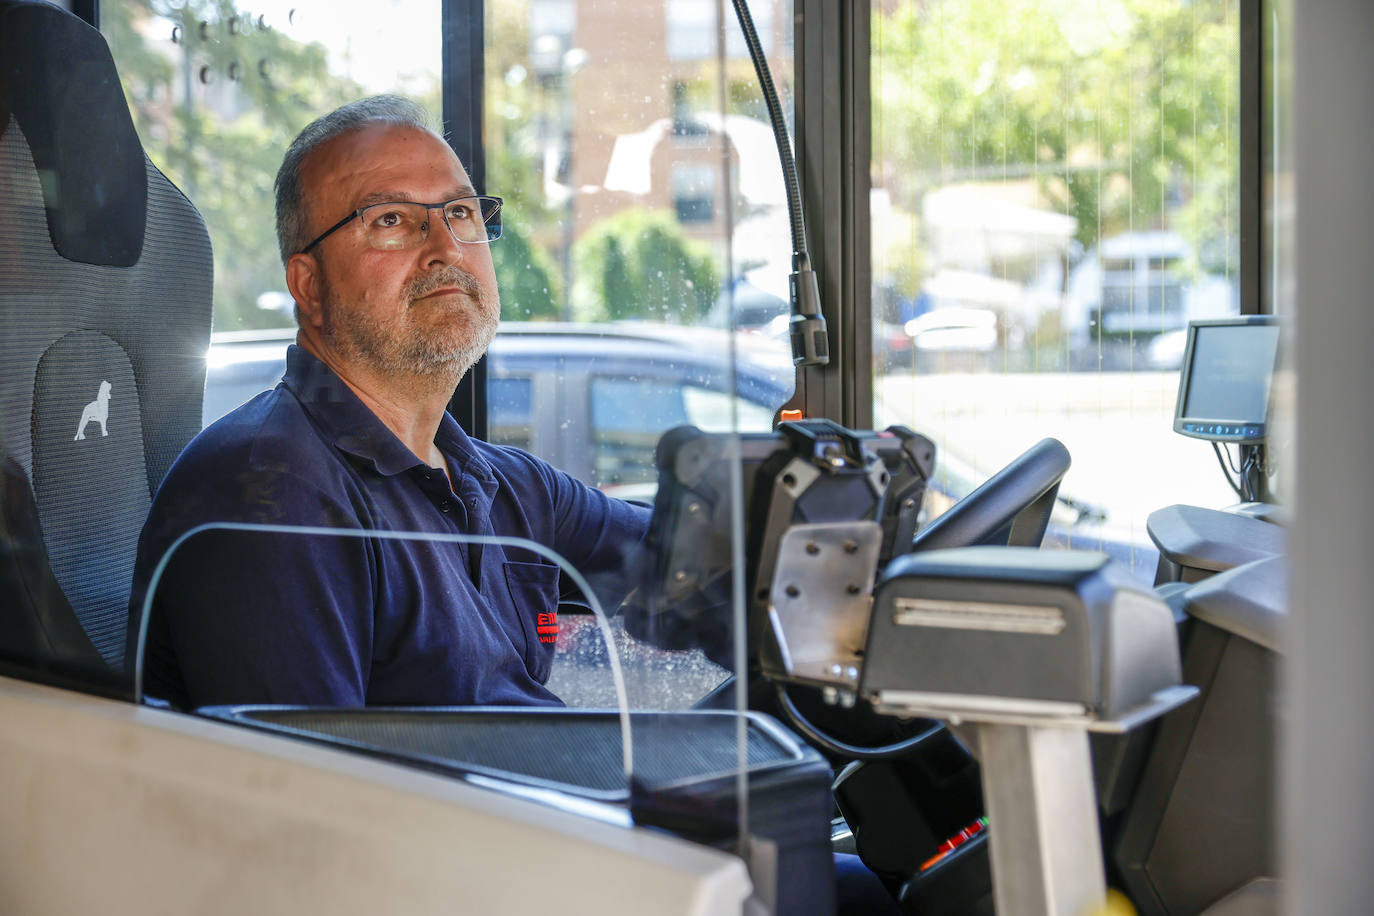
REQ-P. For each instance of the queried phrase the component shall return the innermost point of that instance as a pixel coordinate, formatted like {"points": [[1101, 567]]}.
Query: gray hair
{"points": [[291, 206]]}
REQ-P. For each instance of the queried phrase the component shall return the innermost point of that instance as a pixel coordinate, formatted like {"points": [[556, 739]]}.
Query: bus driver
{"points": [[384, 242]]}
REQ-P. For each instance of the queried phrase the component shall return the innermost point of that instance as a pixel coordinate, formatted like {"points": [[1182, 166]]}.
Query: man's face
{"points": [[430, 310]]}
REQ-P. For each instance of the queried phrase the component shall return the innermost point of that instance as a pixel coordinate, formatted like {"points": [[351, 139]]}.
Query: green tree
{"points": [[1120, 108], [510, 130], [640, 264], [526, 269], [525, 275]]}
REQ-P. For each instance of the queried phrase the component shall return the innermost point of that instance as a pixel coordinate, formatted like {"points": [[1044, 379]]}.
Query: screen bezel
{"points": [[1251, 432]]}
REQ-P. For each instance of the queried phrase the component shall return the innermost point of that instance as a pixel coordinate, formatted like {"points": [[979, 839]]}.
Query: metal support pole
{"points": [[1046, 852], [463, 30]]}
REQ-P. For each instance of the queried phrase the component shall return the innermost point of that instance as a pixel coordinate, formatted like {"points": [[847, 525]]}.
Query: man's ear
{"points": [[304, 283]]}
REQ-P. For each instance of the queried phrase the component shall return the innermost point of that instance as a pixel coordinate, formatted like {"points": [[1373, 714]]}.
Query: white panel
{"points": [[111, 808]]}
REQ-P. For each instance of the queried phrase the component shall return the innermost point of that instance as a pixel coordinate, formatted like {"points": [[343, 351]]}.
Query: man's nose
{"points": [[441, 244]]}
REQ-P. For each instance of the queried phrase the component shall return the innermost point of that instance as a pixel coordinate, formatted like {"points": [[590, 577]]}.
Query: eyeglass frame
{"points": [[442, 206]]}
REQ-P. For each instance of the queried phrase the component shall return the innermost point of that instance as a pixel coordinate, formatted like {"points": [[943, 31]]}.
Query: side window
{"points": [[511, 405], [630, 414]]}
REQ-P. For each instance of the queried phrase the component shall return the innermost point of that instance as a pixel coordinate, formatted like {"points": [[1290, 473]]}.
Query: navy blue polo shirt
{"points": [[251, 617]]}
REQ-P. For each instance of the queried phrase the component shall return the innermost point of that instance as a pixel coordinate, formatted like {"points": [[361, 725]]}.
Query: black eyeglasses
{"points": [[398, 225]]}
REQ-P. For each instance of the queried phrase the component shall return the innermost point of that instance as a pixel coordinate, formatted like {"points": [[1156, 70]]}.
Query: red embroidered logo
{"points": [[547, 627]]}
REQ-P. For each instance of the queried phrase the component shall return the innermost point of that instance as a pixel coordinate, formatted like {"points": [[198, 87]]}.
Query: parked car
{"points": [[954, 337], [590, 399], [746, 307]]}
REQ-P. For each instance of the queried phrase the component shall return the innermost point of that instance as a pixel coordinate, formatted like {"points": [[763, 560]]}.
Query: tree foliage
{"points": [[525, 276], [511, 131], [526, 271], [640, 264], [1124, 110]]}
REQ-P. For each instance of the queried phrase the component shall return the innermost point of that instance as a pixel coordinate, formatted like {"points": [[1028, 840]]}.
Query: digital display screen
{"points": [[1231, 370], [1228, 369]]}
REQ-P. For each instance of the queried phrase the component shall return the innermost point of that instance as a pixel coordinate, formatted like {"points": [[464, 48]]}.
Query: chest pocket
{"points": [[534, 595]]}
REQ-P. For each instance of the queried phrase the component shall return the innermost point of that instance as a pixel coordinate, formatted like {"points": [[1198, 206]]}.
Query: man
{"points": [[385, 245]]}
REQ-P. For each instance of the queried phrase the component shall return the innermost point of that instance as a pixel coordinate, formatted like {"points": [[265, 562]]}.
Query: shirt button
{"points": [[446, 506]]}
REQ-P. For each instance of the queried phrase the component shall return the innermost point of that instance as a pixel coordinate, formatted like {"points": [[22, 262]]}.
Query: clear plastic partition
{"points": [[340, 618], [644, 266], [498, 660], [645, 289]]}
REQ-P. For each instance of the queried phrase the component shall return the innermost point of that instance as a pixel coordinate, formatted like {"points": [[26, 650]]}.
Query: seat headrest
{"points": [[59, 83]]}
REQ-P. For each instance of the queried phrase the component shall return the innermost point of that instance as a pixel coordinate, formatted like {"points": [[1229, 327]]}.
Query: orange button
{"points": [[789, 415]]}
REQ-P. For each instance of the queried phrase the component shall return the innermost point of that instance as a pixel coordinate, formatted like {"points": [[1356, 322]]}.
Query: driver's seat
{"points": [[105, 294]]}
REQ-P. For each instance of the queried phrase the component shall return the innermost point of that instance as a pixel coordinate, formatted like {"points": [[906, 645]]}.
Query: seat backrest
{"points": [[105, 295]]}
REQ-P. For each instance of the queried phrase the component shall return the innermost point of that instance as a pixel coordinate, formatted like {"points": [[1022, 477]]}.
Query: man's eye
{"points": [[459, 211], [389, 219]]}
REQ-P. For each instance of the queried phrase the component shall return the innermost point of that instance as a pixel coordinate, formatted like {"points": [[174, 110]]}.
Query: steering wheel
{"points": [[1011, 508]]}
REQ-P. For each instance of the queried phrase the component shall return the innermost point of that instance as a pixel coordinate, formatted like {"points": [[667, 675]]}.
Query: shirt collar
{"points": [[348, 423]]}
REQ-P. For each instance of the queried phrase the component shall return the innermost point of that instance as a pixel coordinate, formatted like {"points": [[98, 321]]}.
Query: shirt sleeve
{"points": [[598, 534], [256, 616]]}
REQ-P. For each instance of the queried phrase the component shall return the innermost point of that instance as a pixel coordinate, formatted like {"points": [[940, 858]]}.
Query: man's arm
{"points": [[600, 535]]}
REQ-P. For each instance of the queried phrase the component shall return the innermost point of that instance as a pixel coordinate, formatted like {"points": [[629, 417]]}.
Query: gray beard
{"points": [[391, 350]]}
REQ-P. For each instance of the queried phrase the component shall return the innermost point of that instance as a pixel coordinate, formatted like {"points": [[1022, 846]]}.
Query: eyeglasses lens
{"points": [[400, 225]]}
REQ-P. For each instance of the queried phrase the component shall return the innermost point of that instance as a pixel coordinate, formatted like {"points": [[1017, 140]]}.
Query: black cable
{"points": [[1250, 477], [844, 749], [1222, 461], [770, 96], [1229, 461]]}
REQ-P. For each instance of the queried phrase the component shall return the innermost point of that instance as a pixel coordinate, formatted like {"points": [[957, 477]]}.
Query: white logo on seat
{"points": [[98, 411]]}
